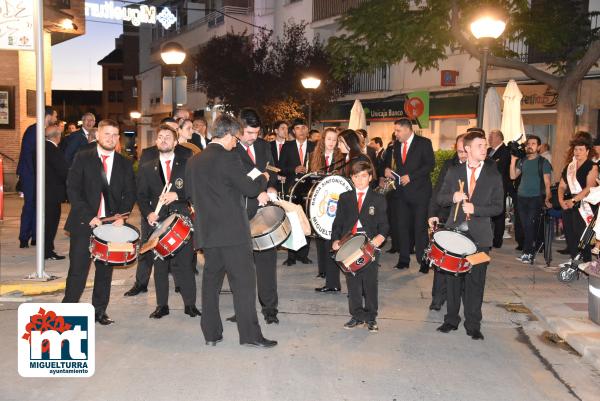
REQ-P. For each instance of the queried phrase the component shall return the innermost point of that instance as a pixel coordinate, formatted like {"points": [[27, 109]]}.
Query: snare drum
{"points": [[448, 251], [170, 235], [115, 246], [355, 253], [269, 228], [320, 201]]}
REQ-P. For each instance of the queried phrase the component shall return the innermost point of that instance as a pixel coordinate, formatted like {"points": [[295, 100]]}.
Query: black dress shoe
{"points": [[213, 343], [321, 275], [33, 242], [104, 320], [519, 248], [192, 311], [305, 260], [401, 266], [372, 326], [446, 328], [475, 334], [159, 312], [435, 306], [327, 289], [289, 262], [270, 319], [232, 319], [54, 256], [392, 250], [352, 323], [563, 251], [136, 289], [23, 244], [261, 343]]}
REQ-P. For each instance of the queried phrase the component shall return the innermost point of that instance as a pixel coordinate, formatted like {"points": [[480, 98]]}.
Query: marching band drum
{"points": [[116, 246]]}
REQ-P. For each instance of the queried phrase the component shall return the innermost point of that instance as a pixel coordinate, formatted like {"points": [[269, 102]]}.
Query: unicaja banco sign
{"points": [[142, 14]]}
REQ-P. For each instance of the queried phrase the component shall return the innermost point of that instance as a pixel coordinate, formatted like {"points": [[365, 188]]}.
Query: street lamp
{"points": [[172, 54], [486, 28], [310, 83], [135, 115]]}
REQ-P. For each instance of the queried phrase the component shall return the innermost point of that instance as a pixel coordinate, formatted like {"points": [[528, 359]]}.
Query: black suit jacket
{"points": [[84, 186], [56, 174], [276, 157], [197, 141], [151, 153], [262, 156], [487, 199], [73, 143], [150, 184], [290, 159], [420, 161], [217, 185], [434, 209], [373, 215], [502, 159]]}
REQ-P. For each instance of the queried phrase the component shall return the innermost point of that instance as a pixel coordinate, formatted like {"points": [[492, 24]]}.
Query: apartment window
{"points": [[115, 74], [115, 97]]}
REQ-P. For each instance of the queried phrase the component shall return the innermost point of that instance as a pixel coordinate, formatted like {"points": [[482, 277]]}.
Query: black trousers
{"points": [[519, 236], [235, 262], [574, 226], [438, 289], [300, 253], [363, 293], [53, 212], [266, 280], [406, 214], [498, 225], [469, 287], [530, 209], [394, 235], [145, 260], [79, 267], [327, 265], [182, 268]]}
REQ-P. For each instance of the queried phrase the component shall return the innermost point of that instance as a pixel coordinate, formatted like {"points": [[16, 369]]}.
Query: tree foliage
{"points": [[261, 71]]}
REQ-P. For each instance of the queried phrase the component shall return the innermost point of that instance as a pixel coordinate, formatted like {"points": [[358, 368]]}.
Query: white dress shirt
{"points": [[163, 158], [277, 148], [477, 172], [358, 223], [109, 164], [251, 147], [304, 146], [408, 142]]}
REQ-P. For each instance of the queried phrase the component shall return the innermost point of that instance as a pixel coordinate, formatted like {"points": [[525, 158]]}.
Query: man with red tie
{"points": [[294, 162], [281, 137], [100, 184]]}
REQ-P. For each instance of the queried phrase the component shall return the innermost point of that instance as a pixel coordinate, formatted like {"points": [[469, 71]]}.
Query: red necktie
{"points": [[104, 157], [404, 150], [472, 181], [280, 146], [168, 168], [360, 200], [301, 156], [250, 154], [327, 161]]}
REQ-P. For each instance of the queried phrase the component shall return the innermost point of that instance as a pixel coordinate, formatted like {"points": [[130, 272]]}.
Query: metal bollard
{"points": [[594, 299]]}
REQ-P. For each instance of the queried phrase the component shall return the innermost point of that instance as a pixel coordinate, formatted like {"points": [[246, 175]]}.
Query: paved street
{"points": [[143, 359]]}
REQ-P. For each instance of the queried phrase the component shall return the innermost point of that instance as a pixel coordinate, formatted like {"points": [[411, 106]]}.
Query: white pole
{"points": [[40, 139]]}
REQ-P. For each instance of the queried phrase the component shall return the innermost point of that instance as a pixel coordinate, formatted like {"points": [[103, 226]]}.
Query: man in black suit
{"points": [[222, 231], [146, 260], [56, 186], [281, 136], [79, 138], [438, 215], [200, 129], [256, 153], [100, 184], [499, 153], [294, 162], [152, 177], [483, 184], [414, 161]]}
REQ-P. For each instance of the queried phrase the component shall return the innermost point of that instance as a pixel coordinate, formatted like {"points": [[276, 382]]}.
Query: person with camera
{"points": [[533, 192]]}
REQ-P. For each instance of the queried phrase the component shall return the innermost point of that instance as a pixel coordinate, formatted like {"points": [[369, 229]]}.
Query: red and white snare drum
{"points": [[355, 253], [448, 251], [170, 235], [115, 246]]}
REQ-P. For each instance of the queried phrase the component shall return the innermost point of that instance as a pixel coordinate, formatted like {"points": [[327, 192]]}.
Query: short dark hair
{"points": [[107, 122], [361, 165], [168, 120], [166, 127], [362, 132], [226, 125], [472, 134], [201, 118], [313, 131], [249, 118], [404, 122], [48, 110], [458, 138], [535, 137], [182, 122], [278, 123], [378, 141], [298, 121]]}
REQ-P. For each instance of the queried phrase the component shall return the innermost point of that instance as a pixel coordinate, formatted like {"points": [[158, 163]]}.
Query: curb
{"points": [[36, 287]]}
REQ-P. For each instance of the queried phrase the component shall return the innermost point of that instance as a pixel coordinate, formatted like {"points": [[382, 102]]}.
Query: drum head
{"points": [[300, 190], [349, 247], [322, 202], [110, 233], [162, 226], [454, 242], [266, 220]]}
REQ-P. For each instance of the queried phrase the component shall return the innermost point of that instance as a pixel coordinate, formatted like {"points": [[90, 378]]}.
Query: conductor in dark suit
{"points": [[481, 201], [56, 189], [100, 184], [222, 231], [414, 162], [151, 179], [294, 163], [79, 138], [499, 153], [256, 153]]}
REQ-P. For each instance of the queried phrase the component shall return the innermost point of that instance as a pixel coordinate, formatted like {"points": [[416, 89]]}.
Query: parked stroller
{"points": [[571, 271]]}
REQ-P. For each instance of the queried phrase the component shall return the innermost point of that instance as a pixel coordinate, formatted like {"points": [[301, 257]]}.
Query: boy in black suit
{"points": [[361, 211]]}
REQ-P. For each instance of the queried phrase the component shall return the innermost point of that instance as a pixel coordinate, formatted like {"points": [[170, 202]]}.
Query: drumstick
{"points": [[160, 202], [460, 189], [113, 218], [272, 168]]}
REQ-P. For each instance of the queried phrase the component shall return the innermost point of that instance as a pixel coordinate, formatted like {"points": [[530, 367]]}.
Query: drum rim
{"points": [[457, 255], [168, 227], [100, 240], [276, 227], [364, 236], [291, 194]]}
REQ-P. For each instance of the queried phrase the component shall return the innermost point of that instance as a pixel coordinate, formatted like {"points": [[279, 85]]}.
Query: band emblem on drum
{"points": [[371, 210], [179, 183], [360, 261]]}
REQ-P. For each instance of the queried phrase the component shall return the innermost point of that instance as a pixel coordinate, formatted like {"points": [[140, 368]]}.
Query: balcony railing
{"points": [[377, 81], [323, 9]]}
